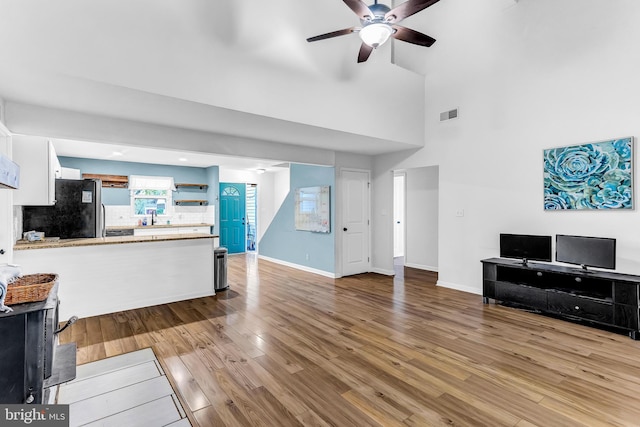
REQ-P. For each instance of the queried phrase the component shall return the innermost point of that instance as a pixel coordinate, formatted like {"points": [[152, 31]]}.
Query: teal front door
{"points": [[232, 217]]}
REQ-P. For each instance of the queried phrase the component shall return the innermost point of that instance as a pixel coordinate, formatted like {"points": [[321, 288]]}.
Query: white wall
{"points": [[536, 75], [231, 55], [36, 120], [281, 188], [6, 206], [2, 110], [422, 218]]}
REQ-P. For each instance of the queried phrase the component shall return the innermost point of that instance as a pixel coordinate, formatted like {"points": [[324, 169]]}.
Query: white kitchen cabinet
{"points": [[39, 168], [154, 231], [70, 173], [201, 230]]}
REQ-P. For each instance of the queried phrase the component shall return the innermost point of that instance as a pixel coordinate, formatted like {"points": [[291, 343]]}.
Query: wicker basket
{"points": [[30, 288]]}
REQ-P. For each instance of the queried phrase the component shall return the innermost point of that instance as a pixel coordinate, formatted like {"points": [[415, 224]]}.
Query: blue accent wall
{"points": [[120, 196], [282, 241]]}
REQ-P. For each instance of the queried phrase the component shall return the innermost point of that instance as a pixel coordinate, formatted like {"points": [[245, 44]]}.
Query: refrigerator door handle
{"points": [[103, 232]]}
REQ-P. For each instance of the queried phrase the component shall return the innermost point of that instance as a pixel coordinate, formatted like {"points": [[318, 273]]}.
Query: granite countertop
{"points": [[129, 227], [68, 243]]}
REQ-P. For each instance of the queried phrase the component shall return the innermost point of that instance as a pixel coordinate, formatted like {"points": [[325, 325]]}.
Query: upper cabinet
{"points": [[39, 168]]}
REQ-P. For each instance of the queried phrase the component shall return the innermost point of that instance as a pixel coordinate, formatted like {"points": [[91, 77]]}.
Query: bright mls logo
{"points": [[34, 415]]}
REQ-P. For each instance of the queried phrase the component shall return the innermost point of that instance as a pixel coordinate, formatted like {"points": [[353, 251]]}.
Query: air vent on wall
{"points": [[448, 115]]}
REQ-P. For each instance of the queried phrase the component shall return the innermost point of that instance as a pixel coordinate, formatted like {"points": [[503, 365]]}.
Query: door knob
{"points": [[344, 229]]}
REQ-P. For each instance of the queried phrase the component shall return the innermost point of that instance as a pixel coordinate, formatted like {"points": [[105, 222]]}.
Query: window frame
{"points": [[167, 196], [163, 185]]}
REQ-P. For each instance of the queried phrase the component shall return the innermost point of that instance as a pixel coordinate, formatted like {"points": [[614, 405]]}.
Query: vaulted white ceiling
{"points": [[235, 67]]}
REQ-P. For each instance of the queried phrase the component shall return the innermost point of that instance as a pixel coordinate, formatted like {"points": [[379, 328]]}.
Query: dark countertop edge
{"points": [[112, 240]]}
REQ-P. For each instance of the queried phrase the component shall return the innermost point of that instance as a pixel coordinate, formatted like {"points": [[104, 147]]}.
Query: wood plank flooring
{"points": [[289, 348]]}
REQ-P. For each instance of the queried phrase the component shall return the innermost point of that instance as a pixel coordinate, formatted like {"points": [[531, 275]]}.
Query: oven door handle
{"points": [[71, 321]]}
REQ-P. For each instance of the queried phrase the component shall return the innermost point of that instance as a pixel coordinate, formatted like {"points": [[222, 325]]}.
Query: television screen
{"points": [[525, 247], [586, 251]]}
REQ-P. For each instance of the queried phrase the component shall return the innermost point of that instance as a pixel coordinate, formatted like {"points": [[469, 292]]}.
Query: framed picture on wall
{"points": [[597, 175], [312, 209]]}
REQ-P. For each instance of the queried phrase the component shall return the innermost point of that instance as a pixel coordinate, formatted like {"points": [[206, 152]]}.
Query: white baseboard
{"points": [[459, 287], [298, 266], [383, 271], [421, 266]]}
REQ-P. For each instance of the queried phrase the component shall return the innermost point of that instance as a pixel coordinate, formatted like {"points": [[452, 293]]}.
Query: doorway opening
{"points": [[233, 227], [252, 203], [399, 214], [416, 196], [239, 217]]}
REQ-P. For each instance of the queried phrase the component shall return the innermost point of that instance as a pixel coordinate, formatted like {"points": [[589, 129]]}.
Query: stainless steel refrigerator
{"points": [[77, 213]]}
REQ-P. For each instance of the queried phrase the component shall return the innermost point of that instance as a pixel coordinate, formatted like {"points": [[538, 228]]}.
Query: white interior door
{"points": [[355, 222], [399, 191]]}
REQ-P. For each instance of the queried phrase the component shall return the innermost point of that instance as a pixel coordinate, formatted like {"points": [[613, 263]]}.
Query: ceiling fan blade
{"points": [[407, 9], [412, 36], [365, 52], [332, 34], [359, 7]]}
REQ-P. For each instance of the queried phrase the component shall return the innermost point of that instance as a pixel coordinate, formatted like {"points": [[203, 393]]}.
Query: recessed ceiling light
{"points": [[183, 159], [261, 171], [117, 153]]}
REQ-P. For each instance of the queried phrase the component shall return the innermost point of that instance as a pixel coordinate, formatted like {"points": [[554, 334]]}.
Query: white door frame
{"points": [[340, 212]]}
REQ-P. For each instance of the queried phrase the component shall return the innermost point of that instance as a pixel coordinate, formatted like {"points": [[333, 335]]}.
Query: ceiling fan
{"points": [[379, 22]]}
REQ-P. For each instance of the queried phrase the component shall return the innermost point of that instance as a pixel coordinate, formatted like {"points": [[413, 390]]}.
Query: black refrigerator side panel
{"points": [[13, 359], [76, 208], [34, 362]]}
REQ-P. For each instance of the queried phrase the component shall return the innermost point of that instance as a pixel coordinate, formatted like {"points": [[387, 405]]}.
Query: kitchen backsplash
{"points": [[120, 215]]}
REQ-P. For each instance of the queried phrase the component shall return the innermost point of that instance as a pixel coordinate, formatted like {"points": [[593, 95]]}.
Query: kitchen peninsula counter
{"points": [[112, 240], [112, 274]]}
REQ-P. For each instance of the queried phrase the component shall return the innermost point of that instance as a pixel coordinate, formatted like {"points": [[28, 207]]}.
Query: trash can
{"points": [[220, 269]]}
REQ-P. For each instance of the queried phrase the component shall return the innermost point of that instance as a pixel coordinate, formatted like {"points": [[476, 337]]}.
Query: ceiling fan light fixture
{"points": [[375, 34]]}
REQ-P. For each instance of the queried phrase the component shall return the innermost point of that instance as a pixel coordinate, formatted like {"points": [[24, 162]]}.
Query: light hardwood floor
{"points": [[287, 348]]}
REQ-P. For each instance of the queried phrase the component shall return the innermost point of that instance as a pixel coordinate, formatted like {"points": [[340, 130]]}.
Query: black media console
{"points": [[600, 298]]}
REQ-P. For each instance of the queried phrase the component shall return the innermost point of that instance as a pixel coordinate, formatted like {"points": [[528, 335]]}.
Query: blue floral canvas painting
{"points": [[589, 176]]}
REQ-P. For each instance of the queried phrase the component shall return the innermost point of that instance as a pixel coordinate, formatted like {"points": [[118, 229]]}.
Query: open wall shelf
{"points": [[191, 202], [111, 181], [191, 186]]}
